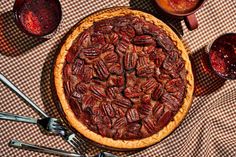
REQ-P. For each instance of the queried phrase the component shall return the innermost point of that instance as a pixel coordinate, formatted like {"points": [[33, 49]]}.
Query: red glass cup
{"points": [[222, 56], [189, 16], [38, 18]]}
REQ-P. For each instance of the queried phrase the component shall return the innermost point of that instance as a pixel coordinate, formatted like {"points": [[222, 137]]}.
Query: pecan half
{"points": [[166, 97], [98, 92], [130, 60], [104, 29], [174, 85], [145, 108], [91, 52], [164, 119], [112, 38], [78, 67], [101, 70], [128, 31], [122, 102], [157, 93], [143, 40], [111, 57], [148, 126], [132, 115], [131, 93], [149, 84], [122, 46], [88, 74], [112, 92], [87, 102], [114, 80], [158, 110], [164, 41], [108, 109], [67, 71], [116, 69], [119, 123]]}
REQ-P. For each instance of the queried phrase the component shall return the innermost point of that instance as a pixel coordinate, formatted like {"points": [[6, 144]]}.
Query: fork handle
{"points": [[21, 94], [13, 117], [19, 144]]}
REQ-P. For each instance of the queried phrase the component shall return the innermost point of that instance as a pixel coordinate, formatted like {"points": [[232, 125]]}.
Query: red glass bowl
{"points": [[38, 18], [222, 56]]}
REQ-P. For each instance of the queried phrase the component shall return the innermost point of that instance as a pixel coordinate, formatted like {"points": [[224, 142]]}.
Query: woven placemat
{"points": [[209, 128]]}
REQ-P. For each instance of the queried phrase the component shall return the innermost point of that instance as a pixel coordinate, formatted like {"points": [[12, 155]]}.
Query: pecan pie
{"points": [[123, 79]]}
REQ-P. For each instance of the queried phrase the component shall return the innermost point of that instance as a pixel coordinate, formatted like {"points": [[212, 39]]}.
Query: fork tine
{"points": [[78, 140], [76, 148], [77, 144], [59, 127]]}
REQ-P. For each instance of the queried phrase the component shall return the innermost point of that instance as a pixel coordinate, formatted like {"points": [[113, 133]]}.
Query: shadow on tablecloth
{"points": [[13, 41], [151, 7], [206, 81]]}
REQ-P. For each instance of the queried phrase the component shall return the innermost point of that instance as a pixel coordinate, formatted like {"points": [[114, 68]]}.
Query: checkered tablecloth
{"points": [[209, 129]]}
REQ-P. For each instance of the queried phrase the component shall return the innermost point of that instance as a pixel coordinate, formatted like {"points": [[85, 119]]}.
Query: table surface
{"points": [[209, 129]]}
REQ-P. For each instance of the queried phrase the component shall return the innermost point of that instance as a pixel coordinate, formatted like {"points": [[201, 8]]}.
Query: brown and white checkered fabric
{"points": [[209, 128]]}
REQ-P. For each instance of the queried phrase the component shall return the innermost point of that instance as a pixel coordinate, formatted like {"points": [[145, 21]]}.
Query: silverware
{"points": [[22, 95], [49, 124], [20, 144], [67, 135]]}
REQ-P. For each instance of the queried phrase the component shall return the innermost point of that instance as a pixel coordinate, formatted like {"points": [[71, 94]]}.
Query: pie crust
{"points": [[81, 128]]}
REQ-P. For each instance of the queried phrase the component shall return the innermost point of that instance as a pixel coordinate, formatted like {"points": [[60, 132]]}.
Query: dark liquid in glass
{"points": [[223, 56], [38, 17]]}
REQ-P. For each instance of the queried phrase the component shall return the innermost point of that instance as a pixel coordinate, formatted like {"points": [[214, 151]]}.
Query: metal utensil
{"points": [[20, 144], [67, 135], [49, 124], [22, 95]]}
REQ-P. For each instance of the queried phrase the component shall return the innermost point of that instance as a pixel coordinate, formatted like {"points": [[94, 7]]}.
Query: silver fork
{"points": [[49, 124], [29, 146], [67, 135]]}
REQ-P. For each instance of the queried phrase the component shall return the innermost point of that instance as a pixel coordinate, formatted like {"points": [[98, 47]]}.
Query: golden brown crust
{"points": [[70, 116]]}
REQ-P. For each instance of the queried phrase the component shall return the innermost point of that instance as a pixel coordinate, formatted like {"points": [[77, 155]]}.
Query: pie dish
{"points": [[123, 79]]}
